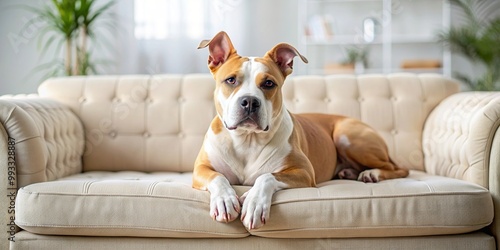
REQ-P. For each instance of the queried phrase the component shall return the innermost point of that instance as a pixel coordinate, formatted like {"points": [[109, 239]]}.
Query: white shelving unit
{"points": [[405, 30]]}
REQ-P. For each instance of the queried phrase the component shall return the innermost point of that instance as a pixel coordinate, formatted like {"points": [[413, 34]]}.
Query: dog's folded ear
{"points": [[220, 48], [283, 54]]}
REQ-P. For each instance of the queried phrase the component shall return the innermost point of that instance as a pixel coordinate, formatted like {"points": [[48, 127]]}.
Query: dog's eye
{"points": [[230, 81], [268, 84]]}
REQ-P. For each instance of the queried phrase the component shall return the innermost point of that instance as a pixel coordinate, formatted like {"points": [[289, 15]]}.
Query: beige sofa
{"points": [[104, 162]]}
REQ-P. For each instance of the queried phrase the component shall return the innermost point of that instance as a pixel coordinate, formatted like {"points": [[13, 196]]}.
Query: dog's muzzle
{"points": [[248, 114]]}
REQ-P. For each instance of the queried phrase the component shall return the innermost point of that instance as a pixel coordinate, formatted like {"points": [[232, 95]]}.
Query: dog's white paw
{"points": [[257, 202], [256, 209], [224, 203], [370, 176]]}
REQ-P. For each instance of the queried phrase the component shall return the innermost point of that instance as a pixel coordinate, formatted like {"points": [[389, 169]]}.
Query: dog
{"points": [[255, 141]]}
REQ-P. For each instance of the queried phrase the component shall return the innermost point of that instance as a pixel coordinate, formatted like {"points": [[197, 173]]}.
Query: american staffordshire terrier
{"points": [[255, 141]]}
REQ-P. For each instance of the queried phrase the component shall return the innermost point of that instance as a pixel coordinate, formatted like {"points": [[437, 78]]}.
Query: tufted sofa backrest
{"points": [[143, 123], [396, 105], [158, 122]]}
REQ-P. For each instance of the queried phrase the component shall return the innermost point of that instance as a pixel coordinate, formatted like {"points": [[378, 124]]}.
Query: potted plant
{"points": [[356, 61], [478, 40], [72, 23], [357, 57]]}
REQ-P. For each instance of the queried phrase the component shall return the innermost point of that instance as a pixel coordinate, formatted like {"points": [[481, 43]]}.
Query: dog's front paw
{"points": [[370, 176], [224, 206], [224, 203], [256, 209]]}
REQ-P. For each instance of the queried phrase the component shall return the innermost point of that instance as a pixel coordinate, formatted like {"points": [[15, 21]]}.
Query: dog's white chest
{"points": [[244, 158]]}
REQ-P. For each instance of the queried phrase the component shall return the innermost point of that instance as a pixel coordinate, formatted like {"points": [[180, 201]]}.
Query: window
{"points": [[162, 19]]}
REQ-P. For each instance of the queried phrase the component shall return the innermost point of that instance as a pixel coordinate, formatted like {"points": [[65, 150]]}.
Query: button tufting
{"points": [[361, 99], [181, 135], [82, 99], [181, 99], [394, 132], [146, 134], [328, 100], [112, 134], [394, 99]]}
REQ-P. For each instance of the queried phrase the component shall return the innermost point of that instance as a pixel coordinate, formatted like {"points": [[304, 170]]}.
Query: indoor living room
{"points": [[117, 124]]}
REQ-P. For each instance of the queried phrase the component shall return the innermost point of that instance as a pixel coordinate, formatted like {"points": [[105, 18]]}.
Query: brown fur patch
{"points": [[216, 125], [203, 172], [232, 68], [315, 130], [274, 74]]}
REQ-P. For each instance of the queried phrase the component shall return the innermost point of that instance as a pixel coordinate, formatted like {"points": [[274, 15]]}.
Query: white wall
{"points": [[20, 48], [18, 51]]}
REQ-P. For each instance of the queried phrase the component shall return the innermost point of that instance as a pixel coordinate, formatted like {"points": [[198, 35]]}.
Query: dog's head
{"points": [[248, 89]]}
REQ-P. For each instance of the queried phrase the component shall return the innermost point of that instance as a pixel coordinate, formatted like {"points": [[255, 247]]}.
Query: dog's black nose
{"points": [[249, 104]]}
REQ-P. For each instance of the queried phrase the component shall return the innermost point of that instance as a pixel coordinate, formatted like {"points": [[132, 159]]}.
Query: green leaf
{"points": [[69, 20], [478, 40]]}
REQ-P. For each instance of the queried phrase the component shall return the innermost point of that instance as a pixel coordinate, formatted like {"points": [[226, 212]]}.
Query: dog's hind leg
{"points": [[364, 149], [348, 174], [389, 170]]}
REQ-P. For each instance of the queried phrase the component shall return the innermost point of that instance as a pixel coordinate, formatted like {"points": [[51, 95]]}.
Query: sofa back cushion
{"points": [[158, 122], [143, 123], [396, 105]]}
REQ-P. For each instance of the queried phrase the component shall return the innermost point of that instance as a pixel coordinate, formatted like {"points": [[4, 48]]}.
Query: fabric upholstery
{"points": [[474, 241], [48, 137], [132, 121], [165, 205], [142, 123], [121, 204], [142, 133], [494, 185], [40, 140], [396, 105], [463, 125]]}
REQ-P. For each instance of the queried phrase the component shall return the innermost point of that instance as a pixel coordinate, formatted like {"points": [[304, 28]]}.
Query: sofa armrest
{"points": [[461, 139], [458, 135], [48, 136], [40, 140]]}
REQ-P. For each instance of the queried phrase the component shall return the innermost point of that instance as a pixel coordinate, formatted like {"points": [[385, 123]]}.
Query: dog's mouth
{"points": [[247, 123]]}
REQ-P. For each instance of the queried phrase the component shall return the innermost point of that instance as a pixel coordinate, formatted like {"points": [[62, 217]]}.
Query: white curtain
{"points": [[161, 36]]}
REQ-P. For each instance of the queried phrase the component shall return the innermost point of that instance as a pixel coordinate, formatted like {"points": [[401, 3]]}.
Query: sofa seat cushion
{"points": [[121, 204], [419, 205], [165, 205]]}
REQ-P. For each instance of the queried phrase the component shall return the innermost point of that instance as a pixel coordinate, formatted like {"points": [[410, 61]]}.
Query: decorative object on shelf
{"points": [[357, 56], [72, 22], [392, 30], [478, 40], [320, 28], [371, 28], [338, 68], [421, 64], [356, 62]]}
